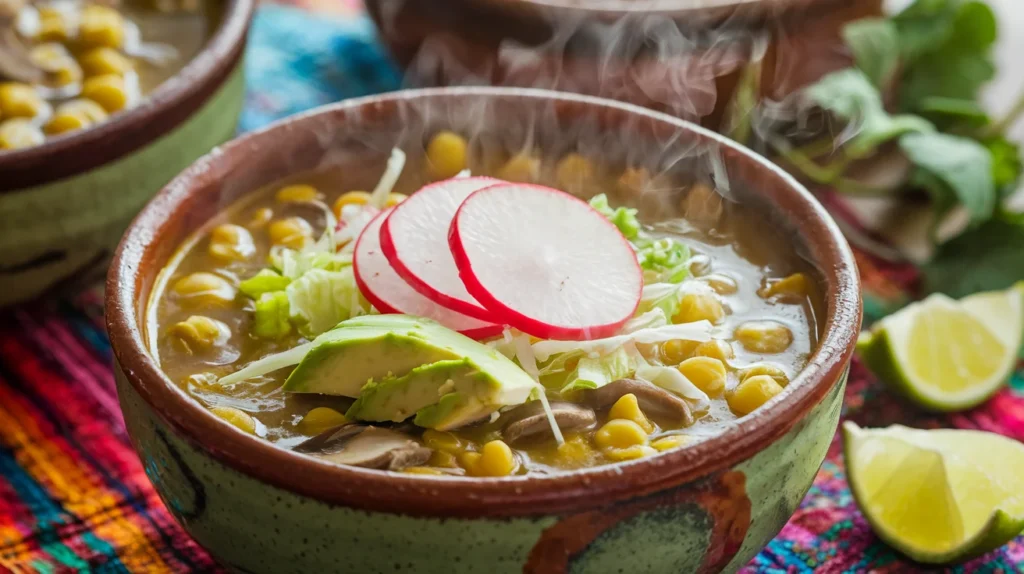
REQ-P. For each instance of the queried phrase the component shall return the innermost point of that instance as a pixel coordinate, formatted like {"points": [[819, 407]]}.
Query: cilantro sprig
{"points": [[913, 91]]}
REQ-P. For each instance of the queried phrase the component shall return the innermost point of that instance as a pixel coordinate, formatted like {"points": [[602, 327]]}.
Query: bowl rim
{"points": [[162, 110], [420, 495], [717, 12]]}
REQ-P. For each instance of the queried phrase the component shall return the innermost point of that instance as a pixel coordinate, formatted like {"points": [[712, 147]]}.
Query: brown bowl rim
{"points": [[706, 12], [418, 495], [165, 108]]}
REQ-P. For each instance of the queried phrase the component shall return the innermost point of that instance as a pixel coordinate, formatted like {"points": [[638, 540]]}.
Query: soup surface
{"points": [[716, 266], [66, 65]]}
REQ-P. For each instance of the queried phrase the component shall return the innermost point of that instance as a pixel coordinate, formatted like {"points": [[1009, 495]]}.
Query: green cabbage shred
{"points": [[266, 281], [272, 316], [662, 259]]}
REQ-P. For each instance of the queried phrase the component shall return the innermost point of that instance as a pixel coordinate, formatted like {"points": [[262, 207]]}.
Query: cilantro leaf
{"points": [[874, 43], [982, 259], [850, 96], [955, 63], [954, 111], [1006, 164], [923, 25], [962, 165]]}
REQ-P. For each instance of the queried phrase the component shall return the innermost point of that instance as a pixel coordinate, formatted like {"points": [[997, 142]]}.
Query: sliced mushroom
{"points": [[15, 63], [366, 446], [653, 400], [529, 419]]}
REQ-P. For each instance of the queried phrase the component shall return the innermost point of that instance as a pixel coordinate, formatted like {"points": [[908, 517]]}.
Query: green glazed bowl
{"points": [[707, 507], [65, 204]]}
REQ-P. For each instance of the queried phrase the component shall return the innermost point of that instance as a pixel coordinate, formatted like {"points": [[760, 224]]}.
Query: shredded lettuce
{"points": [[379, 195], [353, 220], [699, 331], [528, 362], [293, 264], [271, 320], [665, 257], [266, 281], [670, 379], [668, 296], [649, 320], [269, 364], [559, 363], [622, 217], [321, 299], [592, 373]]}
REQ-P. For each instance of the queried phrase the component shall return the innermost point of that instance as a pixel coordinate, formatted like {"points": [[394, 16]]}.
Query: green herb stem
{"points": [[1008, 120]]}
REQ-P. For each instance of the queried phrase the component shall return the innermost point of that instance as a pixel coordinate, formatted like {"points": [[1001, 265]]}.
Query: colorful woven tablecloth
{"points": [[74, 497]]}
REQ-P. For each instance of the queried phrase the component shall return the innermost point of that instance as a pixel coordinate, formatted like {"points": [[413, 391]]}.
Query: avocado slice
{"points": [[399, 366], [444, 394]]}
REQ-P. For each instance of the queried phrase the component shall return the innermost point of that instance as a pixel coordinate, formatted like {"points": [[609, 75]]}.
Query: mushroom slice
{"points": [[15, 63], [529, 419], [367, 447], [653, 400]]}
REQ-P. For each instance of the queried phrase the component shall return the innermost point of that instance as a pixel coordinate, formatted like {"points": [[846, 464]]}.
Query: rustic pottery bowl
{"points": [[691, 58], [65, 204], [708, 507]]}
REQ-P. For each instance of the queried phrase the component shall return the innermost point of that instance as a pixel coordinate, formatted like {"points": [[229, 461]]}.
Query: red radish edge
{"points": [[512, 317], [387, 245], [484, 332]]}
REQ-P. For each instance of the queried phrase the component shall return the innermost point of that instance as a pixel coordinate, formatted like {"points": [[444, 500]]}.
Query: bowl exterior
{"points": [[714, 524], [692, 63], [65, 231]]}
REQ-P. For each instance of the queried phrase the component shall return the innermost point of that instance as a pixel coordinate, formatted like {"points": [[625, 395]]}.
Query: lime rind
{"points": [[1000, 528], [883, 350]]}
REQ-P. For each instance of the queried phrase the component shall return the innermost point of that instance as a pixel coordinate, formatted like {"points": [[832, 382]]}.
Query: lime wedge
{"points": [[948, 355], [938, 496]]}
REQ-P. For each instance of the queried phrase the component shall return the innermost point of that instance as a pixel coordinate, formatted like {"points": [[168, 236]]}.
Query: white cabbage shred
{"points": [[699, 331], [529, 364]]}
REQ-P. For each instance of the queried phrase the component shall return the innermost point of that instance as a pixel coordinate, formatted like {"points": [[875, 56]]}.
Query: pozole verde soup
{"points": [[66, 65], [725, 320]]}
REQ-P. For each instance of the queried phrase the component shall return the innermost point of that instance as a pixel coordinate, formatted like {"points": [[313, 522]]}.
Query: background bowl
{"points": [[685, 57], [258, 508], [65, 204]]}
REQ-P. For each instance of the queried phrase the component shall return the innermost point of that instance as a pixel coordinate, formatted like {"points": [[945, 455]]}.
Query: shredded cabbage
{"points": [[663, 259], [524, 354], [321, 299], [269, 364], [266, 281], [666, 259], [592, 373], [670, 379], [379, 196], [354, 221], [668, 296], [699, 331], [557, 365], [271, 319], [649, 320], [294, 264], [622, 217]]}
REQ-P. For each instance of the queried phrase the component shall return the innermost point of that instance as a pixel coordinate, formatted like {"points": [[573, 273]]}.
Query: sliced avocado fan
{"points": [[399, 366]]}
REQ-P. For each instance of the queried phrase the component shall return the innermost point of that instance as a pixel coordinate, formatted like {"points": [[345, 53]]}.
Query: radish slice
{"points": [[415, 240], [386, 291], [545, 262]]}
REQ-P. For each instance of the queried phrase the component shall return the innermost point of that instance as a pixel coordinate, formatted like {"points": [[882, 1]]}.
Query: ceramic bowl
{"points": [[691, 58], [65, 204], [708, 507]]}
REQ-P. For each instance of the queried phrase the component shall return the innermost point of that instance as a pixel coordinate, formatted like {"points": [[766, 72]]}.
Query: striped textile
{"points": [[74, 497]]}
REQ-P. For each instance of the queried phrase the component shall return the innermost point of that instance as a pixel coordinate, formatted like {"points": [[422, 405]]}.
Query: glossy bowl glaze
{"points": [[689, 58], [258, 508], [65, 204]]}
